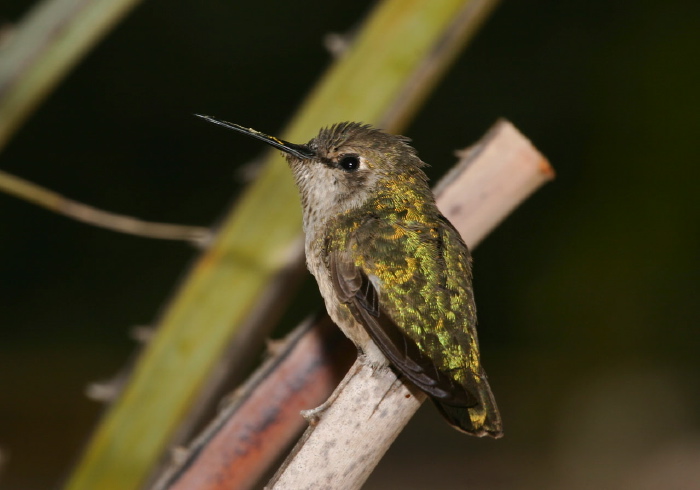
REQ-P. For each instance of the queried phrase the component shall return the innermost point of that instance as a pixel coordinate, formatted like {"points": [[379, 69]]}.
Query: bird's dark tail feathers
{"points": [[480, 420]]}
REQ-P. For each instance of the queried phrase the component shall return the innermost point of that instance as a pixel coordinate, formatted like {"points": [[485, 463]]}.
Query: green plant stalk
{"points": [[225, 282], [43, 48]]}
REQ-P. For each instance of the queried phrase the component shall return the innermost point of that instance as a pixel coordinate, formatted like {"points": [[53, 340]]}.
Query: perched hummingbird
{"points": [[394, 273]]}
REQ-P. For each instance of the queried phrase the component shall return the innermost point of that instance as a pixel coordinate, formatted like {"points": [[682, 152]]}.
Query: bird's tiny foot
{"points": [[373, 358]]}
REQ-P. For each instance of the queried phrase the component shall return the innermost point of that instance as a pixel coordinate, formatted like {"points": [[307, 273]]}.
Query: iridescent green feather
{"points": [[420, 269]]}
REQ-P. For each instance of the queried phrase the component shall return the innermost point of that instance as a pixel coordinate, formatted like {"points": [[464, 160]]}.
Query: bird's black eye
{"points": [[350, 162]]}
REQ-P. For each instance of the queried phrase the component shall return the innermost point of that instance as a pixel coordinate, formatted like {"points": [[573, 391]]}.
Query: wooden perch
{"points": [[372, 407]]}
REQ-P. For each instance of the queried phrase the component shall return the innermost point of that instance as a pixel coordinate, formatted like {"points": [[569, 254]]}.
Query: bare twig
{"points": [[371, 407], [57, 203]]}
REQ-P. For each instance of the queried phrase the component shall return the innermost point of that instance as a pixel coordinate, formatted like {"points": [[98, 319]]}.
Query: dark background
{"points": [[587, 294]]}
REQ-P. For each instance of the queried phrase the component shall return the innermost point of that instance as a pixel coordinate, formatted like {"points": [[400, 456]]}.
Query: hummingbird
{"points": [[394, 273]]}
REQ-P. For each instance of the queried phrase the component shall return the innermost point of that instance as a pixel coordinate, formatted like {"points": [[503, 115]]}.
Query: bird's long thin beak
{"points": [[299, 151]]}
